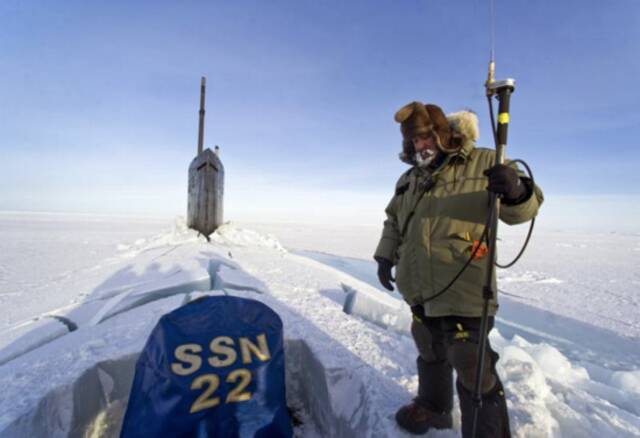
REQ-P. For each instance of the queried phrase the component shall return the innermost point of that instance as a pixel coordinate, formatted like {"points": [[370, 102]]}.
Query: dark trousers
{"points": [[454, 340], [448, 343]]}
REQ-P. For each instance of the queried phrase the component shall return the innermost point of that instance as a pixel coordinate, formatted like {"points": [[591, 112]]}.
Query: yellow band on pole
{"points": [[503, 118]]}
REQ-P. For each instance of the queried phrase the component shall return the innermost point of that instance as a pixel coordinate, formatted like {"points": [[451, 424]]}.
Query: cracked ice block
{"points": [[29, 337], [378, 308]]}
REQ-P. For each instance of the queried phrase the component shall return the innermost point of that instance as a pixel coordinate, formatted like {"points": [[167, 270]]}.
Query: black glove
{"points": [[384, 272], [504, 180]]}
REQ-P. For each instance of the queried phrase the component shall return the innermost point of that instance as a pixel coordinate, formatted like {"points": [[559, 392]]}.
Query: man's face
{"points": [[424, 142]]}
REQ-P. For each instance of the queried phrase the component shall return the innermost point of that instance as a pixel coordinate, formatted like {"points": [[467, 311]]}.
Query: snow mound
{"points": [[228, 234], [549, 396], [178, 234]]}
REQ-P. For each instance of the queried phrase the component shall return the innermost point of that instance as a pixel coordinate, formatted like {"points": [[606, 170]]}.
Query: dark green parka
{"points": [[446, 221]]}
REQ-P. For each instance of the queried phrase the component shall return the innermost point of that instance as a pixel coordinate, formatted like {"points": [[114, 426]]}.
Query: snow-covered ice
{"points": [[567, 331]]}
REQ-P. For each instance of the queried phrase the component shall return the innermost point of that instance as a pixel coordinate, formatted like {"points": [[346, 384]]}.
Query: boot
{"points": [[493, 418], [418, 419], [432, 407]]}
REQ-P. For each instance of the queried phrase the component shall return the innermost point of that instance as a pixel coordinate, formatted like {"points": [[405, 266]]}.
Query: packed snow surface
{"points": [[77, 292]]}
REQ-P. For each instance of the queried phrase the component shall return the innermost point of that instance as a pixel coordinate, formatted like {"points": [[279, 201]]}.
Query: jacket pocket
{"points": [[463, 245]]}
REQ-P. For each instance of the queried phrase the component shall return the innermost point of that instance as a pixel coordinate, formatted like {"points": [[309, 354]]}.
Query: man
{"points": [[435, 223]]}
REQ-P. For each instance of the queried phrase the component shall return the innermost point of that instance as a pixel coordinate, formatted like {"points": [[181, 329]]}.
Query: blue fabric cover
{"points": [[163, 403]]}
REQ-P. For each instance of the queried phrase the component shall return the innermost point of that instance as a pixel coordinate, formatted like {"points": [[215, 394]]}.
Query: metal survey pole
{"points": [[503, 90]]}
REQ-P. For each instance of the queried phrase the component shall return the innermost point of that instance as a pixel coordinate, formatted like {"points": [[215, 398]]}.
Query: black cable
{"points": [[483, 237], [485, 233], [533, 222]]}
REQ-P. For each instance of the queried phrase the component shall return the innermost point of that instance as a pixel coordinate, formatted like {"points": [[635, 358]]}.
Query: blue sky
{"points": [[99, 100]]}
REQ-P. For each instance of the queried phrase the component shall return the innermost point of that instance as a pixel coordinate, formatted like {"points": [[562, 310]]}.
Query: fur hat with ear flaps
{"points": [[450, 132]]}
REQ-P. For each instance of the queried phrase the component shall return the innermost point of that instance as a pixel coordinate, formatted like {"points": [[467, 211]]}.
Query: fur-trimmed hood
{"points": [[465, 131]]}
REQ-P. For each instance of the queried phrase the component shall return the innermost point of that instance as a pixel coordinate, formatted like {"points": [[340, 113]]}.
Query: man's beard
{"points": [[424, 158]]}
